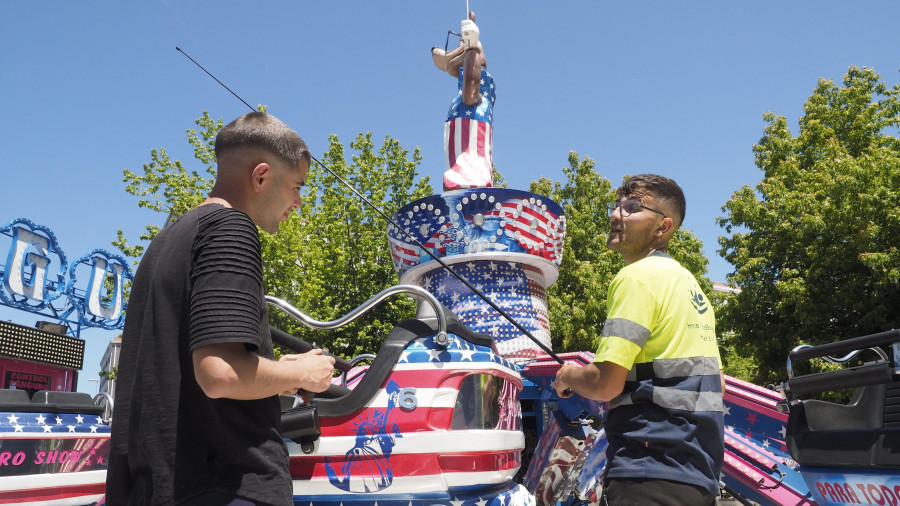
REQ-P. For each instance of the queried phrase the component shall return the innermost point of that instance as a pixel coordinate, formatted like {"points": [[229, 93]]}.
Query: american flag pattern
{"points": [[517, 288], [468, 138], [552, 486], [473, 221], [765, 474], [753, 411], [400, 449], [588, 485], [512, 240], [17, 424], [52, 458], [542, 454], [566, 466]]}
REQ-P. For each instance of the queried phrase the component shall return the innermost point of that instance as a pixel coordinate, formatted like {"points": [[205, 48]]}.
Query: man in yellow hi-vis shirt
{"points": [[657, 363]]}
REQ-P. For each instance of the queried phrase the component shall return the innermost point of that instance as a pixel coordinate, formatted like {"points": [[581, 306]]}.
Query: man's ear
{"points": [[260, 174], [667, 227]]}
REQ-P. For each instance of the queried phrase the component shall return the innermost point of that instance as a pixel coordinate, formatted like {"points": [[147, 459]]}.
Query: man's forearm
{"points": [[230, 371], [598, 381]]}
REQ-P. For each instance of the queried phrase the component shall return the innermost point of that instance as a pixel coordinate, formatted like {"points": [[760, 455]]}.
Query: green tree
{"points": [[337, 253], [167, 187], [577, 301], [814, 244], [110, 375], [328, 258]]}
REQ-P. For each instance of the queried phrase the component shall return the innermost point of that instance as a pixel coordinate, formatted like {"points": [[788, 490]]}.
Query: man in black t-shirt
{"points": [[196, 408]]}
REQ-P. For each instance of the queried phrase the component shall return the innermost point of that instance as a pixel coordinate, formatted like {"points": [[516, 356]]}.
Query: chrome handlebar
{"points": [[440, 339]]}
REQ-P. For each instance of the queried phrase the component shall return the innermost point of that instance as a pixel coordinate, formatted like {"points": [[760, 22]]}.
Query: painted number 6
{"points": [[408, 398]]}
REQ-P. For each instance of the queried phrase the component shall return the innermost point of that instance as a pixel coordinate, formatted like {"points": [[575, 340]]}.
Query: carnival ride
{"points": [[438, 417], [53, 448], [457, 407]]}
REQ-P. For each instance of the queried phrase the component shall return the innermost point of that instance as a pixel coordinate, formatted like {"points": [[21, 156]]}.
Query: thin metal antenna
{"points": [[415, 241], [214, 77]]}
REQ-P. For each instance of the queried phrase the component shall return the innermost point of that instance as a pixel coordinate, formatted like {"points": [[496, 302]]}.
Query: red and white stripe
{"points": [[469, 150], [58, 489], [426, 456], [421, 461], [404, 253], [564, 454], [536, 229]]}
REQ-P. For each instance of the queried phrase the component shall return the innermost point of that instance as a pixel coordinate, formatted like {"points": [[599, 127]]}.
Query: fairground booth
{"points": [[62, 297]]}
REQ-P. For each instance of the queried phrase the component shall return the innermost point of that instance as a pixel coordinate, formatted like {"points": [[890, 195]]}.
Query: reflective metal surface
{"points": [[365, 307], [486, 402]]}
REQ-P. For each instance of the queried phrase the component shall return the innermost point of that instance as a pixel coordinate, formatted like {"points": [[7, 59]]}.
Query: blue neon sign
{"points": [[37, 274]]}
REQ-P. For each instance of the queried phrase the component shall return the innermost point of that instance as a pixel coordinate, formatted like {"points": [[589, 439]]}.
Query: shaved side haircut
{"points": [[262, 131]]}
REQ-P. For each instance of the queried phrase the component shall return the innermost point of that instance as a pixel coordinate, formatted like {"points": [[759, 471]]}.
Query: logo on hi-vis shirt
{"points": [[699, 301]]}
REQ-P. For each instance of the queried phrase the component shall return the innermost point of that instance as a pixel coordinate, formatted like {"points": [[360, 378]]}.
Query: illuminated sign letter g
{"points": [[14, 277]]}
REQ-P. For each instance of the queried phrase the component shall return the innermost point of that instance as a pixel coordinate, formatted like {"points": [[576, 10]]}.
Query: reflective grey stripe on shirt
{"points": [[673, 398], [677, 368], [626, 329], [684, 367]]}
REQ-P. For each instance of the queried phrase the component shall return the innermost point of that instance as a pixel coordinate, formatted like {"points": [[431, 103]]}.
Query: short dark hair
{"points": [[660, 188], [263, 131]]}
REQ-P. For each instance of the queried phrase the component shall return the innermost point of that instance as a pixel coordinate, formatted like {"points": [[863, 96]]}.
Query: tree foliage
{"points": [[577, 302], [167, 187], [328, 258], [110, 375], [334, 256], [814, 244]]}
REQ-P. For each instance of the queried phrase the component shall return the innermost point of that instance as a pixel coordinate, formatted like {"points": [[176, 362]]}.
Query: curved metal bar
{"points": [[109, 401], [790, 366], [777, 483], [357, 359], [365, 307], [854, 353], [833, 360]]}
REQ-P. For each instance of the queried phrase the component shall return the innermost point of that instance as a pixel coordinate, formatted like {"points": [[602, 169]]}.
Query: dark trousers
{"points": [[646, 492], [216, 499]]}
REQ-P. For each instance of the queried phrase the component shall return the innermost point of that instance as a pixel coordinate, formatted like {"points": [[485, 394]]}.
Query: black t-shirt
{"points": [[199, 283]]}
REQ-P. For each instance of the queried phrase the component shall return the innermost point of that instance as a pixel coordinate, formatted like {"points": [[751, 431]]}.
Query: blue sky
{"points": [[677, 88]]}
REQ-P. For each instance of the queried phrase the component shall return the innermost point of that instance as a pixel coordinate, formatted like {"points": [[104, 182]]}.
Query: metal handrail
{"points": [[440, 339], [833, 360], [109, 402]]}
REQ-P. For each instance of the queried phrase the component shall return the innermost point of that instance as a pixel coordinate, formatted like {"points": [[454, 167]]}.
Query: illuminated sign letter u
{"points": [[95, 305]]}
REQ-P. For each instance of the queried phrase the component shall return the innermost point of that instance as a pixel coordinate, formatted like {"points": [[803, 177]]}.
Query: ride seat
{"points": [[892, 405], [863, 433], [65, 402], [864, 411], [15, 400]]}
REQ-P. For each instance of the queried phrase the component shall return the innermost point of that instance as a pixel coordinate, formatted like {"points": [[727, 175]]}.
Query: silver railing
{"points": [[108, 408], [834, 360], [440, 339]]}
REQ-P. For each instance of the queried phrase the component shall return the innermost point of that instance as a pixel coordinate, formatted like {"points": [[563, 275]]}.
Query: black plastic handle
{"points": [[293, 343]]}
